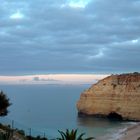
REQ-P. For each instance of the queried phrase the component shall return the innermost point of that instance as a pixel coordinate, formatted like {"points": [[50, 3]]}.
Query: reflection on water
{"points": [[90, 121], [94, 126]]}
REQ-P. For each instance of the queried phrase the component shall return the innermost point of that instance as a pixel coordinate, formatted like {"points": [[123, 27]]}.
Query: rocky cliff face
{"points": [[115, 94]]}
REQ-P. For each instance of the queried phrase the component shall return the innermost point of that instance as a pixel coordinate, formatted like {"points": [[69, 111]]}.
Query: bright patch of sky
{"points": [[77, 3], [100, 54], [17, 15], [135, 41]]}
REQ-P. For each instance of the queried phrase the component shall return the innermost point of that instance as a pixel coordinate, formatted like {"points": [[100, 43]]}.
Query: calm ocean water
{"points": [[49, 108]]}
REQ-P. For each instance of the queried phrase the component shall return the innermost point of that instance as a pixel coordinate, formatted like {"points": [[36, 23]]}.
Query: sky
{"points": [[69, 36]]}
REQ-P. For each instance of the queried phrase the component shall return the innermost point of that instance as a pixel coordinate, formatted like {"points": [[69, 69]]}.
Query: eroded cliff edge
{"points": [[115, 93]]}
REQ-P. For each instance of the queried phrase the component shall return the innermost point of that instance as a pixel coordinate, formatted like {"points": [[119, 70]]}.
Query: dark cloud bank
{"points": [[42, 36]]}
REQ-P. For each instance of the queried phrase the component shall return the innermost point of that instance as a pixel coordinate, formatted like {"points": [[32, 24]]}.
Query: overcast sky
{"points": [[69, 36]]}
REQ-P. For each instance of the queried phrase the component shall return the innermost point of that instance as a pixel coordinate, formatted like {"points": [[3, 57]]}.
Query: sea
{"points": [[45, 109]]}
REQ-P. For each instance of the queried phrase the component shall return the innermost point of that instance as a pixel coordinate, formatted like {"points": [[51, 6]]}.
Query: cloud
{"points": [[44, 79], [49, 37]]}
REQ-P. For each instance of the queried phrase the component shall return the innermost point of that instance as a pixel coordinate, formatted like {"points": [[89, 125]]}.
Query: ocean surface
{"points": [[45, 109]]}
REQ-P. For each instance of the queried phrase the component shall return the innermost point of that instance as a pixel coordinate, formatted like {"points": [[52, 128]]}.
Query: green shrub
{"points": [[4, 104]]}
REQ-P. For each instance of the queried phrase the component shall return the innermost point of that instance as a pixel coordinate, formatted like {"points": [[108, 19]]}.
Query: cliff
{"points": [[119, 94]]}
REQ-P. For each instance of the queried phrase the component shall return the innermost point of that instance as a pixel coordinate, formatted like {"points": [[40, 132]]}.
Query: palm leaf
{"points": [[72, 135], [80, 136]]}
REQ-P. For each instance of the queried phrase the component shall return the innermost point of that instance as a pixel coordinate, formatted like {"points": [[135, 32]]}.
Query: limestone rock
{"points": [[115, 93]]}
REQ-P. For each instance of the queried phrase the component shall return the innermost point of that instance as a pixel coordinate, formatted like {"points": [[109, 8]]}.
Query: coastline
{"points": [[132, 132]]}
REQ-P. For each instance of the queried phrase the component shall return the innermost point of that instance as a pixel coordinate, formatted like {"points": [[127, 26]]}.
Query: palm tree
{"points": [[4, 104], [72, 135]]}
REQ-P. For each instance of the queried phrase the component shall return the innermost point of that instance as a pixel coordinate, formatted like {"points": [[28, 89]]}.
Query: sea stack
{"points": [[115, 94]]}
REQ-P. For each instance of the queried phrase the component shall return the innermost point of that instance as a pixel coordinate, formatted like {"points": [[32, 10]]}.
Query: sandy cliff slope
{"points": [[116, 93]]}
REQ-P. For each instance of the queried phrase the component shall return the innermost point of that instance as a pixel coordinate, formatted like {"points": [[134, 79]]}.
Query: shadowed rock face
{"points": [[117, 93]]}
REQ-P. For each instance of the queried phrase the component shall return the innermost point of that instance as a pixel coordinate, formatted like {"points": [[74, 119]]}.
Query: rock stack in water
{"points": [[116, 94]]}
